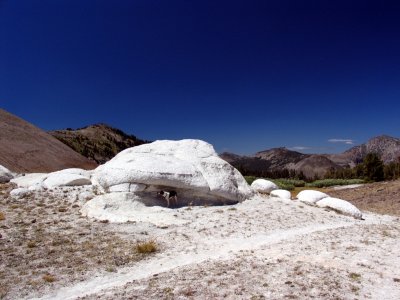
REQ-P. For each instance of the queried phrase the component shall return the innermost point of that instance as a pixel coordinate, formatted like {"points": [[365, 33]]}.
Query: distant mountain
{"points": [[278, 159], [26, 148], [281, 157], [315, 165], [99, 142], [387, 147]]}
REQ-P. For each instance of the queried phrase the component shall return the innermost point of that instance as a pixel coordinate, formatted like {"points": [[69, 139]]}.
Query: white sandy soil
{"points": [[260, 248], [263, 248]]}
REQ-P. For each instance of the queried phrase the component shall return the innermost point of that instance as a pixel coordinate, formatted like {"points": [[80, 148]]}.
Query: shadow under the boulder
{"points": [[184, 199]]}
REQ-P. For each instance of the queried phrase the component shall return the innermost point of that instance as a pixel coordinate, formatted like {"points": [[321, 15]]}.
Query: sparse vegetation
{"points": [[291, 184], [355, 276], [2, 216], [333, 182], [49, 278], [146, 247]]}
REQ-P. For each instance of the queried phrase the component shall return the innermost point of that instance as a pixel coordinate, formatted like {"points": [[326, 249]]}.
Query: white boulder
{"points": [[340, 206], [58, 179], [30, 180], [190, 167], [5, 174], [264, 186], [20, 193], [284, 194], [124, 207], [310, 196]]}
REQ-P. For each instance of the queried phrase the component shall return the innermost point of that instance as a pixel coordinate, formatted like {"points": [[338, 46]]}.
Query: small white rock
{"points": [[263, 186], [341, 206], [311, 197], [20, 193], [284, 194]]}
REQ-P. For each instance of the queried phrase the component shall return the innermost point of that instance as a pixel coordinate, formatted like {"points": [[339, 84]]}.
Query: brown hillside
{"points": [[26, 148], [98, 142]]}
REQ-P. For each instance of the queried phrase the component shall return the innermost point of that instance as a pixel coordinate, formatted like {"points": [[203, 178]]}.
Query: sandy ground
{"points": [[264, 248], [380, 197]]}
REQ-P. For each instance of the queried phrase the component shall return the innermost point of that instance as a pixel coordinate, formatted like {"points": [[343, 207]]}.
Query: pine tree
{"points": [[373, 167]]}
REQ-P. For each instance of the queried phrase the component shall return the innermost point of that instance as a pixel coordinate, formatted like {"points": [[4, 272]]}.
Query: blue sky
{"points": [[317, 76]]}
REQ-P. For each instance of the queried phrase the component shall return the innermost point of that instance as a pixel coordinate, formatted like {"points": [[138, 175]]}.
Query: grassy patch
{"points": [[282, 183], [332, 182]]}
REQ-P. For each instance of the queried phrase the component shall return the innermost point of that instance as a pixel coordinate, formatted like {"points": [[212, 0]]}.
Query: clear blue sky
{"points": [[242, 75]]}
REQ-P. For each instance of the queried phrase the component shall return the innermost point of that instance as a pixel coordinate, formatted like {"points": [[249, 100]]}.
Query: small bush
{"points": [[31, 244], [49, 278], [146, 247], [2, 216], [355, 276]]}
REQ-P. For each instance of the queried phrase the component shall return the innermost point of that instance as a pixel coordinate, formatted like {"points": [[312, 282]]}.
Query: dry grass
{"points": [[49, 278], [2, 216], [146, 247], [381, 198]]}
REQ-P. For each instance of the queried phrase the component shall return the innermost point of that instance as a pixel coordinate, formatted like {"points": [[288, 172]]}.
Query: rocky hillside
{"points": [[312, 164], [26, 148], [281, 157], [99, 142], [387, 147]]}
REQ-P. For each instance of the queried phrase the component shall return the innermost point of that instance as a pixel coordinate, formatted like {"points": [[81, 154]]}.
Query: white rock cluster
{"points": [[320, 199]]}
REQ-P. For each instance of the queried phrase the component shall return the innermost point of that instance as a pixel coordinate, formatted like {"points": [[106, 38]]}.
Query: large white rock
{"points": [[263, 186], [30, 180], [124, 207], [340, 206], [190, 167], [311, 197], [65, 179], [5, 174], [284, 194]]}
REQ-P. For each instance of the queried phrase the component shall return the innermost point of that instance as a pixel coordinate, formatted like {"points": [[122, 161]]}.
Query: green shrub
{"points": [[332, 182]]}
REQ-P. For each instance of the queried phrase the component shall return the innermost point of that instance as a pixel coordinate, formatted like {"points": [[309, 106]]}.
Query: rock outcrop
{"points": [[192, 168], [5, 174]]}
